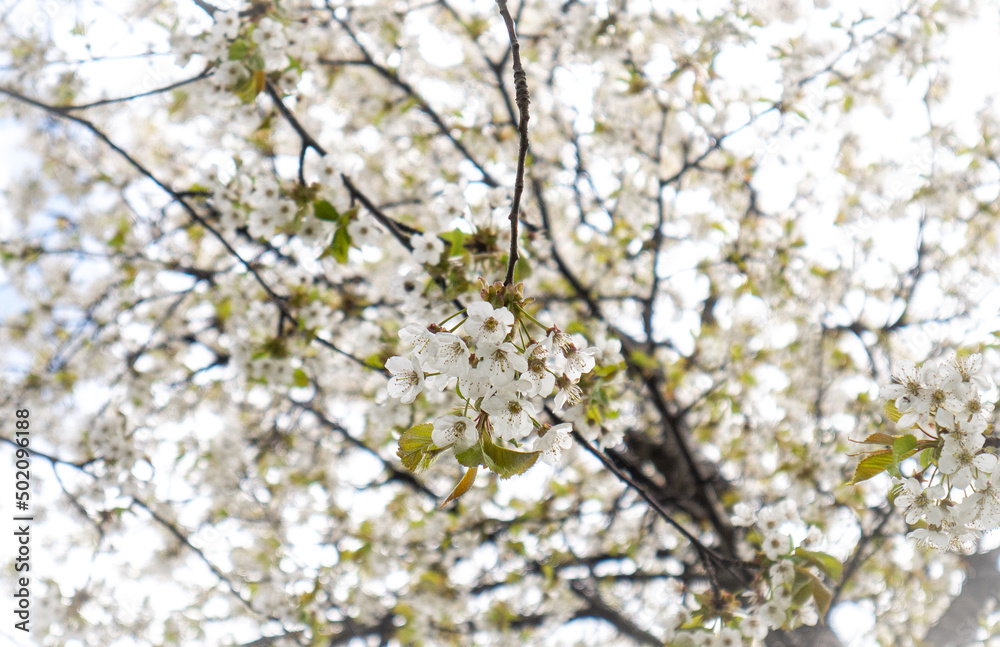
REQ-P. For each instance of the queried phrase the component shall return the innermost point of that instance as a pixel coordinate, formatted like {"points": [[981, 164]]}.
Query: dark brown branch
{"points": [[181, 537], [395, 473], [279, 301], [383, 219], [207, 72], [710, 559], [521, 98], [651, 381], [598, 608], [422, 104], [307, 140]]}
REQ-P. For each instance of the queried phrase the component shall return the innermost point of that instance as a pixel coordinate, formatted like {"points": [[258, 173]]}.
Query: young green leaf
{"points": [[341, 245], [249, 90], [822, 595], [827, 563], [325, 211], [872, 465], [891, 411], [238, 49], [414, 447], [902, 448], [507, 462], [879, 438], [471, 457]]}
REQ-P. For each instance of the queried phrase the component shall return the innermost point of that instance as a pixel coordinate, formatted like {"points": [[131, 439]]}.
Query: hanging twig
{"points": [[521, 99]]}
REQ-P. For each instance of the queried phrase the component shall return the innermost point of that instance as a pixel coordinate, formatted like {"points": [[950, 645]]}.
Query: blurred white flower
{"points": [[427, 248]]}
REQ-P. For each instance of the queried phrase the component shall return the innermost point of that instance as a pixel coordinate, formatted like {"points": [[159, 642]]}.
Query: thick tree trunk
{"points": [[957, 626]]}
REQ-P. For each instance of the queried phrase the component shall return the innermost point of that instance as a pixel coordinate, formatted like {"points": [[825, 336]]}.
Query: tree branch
{"points": [[521, 98], [957, 626]]}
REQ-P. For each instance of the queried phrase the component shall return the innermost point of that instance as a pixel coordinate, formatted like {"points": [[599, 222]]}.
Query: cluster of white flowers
{"points": [[777, 611], [238, 48], [777, 607], [273, 370], [953, 493], [110, 443], [498, 378]]}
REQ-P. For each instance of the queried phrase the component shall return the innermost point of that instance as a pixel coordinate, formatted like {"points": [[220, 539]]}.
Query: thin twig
{"points": [[393, 77], [167, 88], [521, 98], [383, 219], [307, 140], [191, 211]]}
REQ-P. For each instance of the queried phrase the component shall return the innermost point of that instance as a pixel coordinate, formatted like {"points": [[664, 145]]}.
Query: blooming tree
{"points": [[433, 322]]}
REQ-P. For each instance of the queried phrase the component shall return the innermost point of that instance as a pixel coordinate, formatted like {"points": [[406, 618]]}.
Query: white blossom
{"points": [[487, 325], [363, 231], [554, 442], [423, 341], [459, 431], [569, 393], [773, 614], [754, 627], [579, 361], [501, 361], [407, 378], [427, 249], [920, 502], [775, 544], [452, 357], [961, 462], [510, 415], [228, 23]]}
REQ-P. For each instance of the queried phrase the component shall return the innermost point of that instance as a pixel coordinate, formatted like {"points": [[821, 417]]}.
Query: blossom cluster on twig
{"points": [[498, 371], [950, 493]]}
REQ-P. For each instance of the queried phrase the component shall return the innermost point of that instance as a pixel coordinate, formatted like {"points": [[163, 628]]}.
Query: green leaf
{"points": [[300, 379], [457, 238], [347, 217], [507, 462], [179, 100], [238, 49], [341, 244], [224, 309], [253, 86], [801, 586], [872, 465], [643, 361], [902, 448], [822, 595], [471, 457], [256, 62], [891, 411], [827, 563], [118, 240], [522, 269], [415, 447], [879, 439], [325, 211]]}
